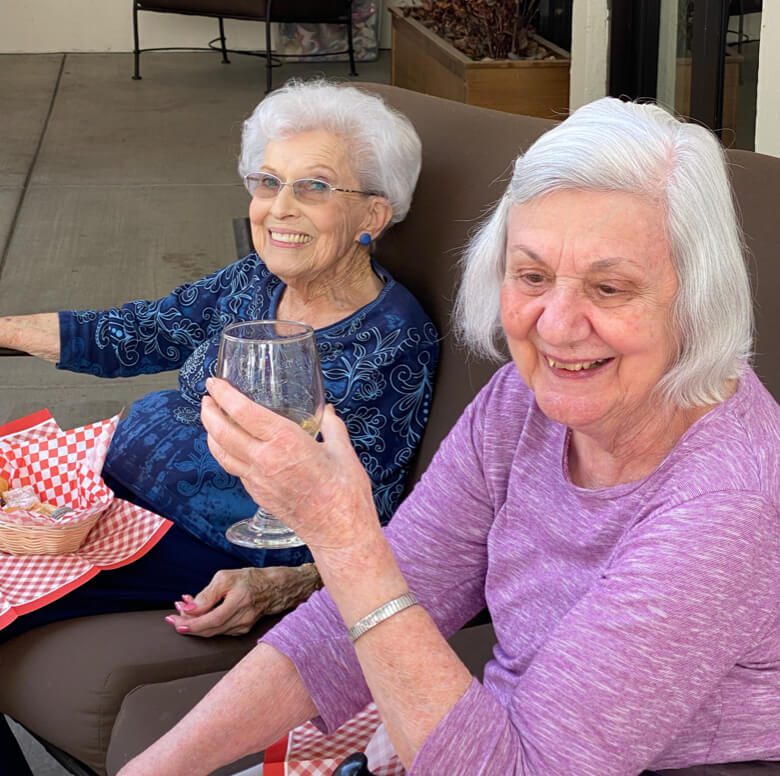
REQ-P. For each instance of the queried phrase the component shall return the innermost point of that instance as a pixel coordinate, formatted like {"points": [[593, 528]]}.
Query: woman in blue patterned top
{"points": [[329, 169]]}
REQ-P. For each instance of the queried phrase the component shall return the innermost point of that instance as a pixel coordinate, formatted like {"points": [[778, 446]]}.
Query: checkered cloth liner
{"points": [[64, 468], [61, 468], [308, 752]]}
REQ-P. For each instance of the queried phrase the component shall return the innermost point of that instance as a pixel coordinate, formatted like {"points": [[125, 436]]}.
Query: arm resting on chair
{"points": [[37, 334], [255, 704]]}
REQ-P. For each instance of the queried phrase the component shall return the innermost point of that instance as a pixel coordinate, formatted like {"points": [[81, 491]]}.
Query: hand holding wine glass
{"points": [[274, 363]]}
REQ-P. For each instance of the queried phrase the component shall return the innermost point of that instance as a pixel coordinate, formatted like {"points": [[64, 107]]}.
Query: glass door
{"points": [[697, 57]]}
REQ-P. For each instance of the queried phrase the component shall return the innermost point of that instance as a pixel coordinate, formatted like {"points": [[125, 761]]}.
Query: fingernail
{"points": [[170, 619], [187, 597], [188, 607], [179, 605], [182, 629], [209, 383]]}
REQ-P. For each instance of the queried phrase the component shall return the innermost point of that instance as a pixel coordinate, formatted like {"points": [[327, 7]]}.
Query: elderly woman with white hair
{"points": [[611, 496], [328, 168]]}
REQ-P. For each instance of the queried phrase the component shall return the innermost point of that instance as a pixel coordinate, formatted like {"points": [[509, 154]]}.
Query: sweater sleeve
{"points": [[143, 337], [445, 567], [684, 597]]}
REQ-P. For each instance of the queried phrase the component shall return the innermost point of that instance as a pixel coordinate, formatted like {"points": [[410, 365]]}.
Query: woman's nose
{"points": [[563, 319], [284, 202]]}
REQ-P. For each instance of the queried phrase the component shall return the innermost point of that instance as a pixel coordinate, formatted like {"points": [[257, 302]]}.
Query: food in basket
{"points": [[22, 505], [19, 498]]}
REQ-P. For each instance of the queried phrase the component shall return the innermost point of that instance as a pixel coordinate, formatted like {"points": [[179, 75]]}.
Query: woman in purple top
{"points": [[611, 496]]}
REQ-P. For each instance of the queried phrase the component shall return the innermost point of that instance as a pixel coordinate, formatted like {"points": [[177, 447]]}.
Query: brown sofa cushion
{"points": [[756, 182], [151, 710], [65, 681]]}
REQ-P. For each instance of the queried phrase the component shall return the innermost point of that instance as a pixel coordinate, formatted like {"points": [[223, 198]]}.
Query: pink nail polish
{"points": [[170, 619], [182, 629], [189, 606], [179, 606]]}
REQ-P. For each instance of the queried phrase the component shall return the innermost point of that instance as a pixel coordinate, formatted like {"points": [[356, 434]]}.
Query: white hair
{"points": [[610, 145], [385, 149]]}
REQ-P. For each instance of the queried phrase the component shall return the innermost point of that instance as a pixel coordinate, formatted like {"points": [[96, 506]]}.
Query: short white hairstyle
{"points": [[611, 145], [385, 149]]}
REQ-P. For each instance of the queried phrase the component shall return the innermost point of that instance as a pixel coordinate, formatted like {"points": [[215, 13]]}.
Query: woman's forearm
{"points": [[37, 334], [414, 676], [255, 704], [323, 491]]}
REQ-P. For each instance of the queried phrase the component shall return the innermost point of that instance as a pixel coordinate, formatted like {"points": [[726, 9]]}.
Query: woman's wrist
{"points": [[309, 579], [293, 585], [350, 562], [37, 334], [361, 578]]}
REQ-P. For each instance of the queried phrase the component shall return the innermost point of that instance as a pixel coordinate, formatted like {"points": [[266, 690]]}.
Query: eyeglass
{"points": [[311, 190]]}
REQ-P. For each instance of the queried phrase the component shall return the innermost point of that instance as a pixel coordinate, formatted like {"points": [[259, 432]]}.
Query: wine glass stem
{"points": [[264, 522], [262, 530]]}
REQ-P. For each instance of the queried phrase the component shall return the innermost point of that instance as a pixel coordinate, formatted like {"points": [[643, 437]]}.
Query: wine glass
{"points": [[274, 363]]}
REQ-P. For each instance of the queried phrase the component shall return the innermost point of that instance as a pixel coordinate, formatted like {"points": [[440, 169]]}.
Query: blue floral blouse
{"points": [[378, 367]]}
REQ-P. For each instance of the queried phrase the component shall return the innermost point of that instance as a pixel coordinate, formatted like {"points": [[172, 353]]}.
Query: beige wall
{"points": [[768, 93], [106, 25]]}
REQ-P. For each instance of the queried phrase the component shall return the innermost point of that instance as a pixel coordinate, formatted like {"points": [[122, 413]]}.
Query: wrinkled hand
{"points": [[319, 489], [235, 599]]}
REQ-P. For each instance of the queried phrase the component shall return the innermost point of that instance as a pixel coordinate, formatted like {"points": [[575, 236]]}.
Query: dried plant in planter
{"points": [[484, 29]]}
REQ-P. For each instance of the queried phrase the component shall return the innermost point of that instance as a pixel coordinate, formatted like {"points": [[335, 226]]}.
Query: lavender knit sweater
{"points": [[638, 626]]}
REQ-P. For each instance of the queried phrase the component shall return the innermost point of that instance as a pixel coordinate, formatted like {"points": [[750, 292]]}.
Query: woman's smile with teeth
{"points": [[574, 366], [290, 237]]}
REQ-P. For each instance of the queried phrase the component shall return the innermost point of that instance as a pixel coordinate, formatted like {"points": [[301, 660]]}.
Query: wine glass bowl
{"points": [[274, 363]]}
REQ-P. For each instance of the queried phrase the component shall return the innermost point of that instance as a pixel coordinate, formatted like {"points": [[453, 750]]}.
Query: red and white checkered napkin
{"points": [[305, 751], [64, 469]]}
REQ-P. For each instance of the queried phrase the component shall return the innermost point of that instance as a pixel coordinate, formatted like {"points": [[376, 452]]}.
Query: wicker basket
{"points": [[52, 539]]}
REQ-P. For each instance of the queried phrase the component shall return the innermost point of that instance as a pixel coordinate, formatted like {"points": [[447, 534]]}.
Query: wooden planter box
{"points": [[424, 62]]}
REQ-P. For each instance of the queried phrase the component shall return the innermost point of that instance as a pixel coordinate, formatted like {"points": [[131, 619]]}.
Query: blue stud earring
{"points": [[365, 239]]}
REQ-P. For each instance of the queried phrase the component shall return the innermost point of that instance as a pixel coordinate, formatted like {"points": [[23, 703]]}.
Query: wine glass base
{"points": [[246, 534]]}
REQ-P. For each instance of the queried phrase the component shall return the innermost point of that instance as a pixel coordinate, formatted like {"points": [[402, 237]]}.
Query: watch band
{"points": [[380, 614]]}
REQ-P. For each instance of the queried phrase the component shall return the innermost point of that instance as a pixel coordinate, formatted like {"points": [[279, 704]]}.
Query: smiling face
{"points": [[586, 306], [310, 243]]}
